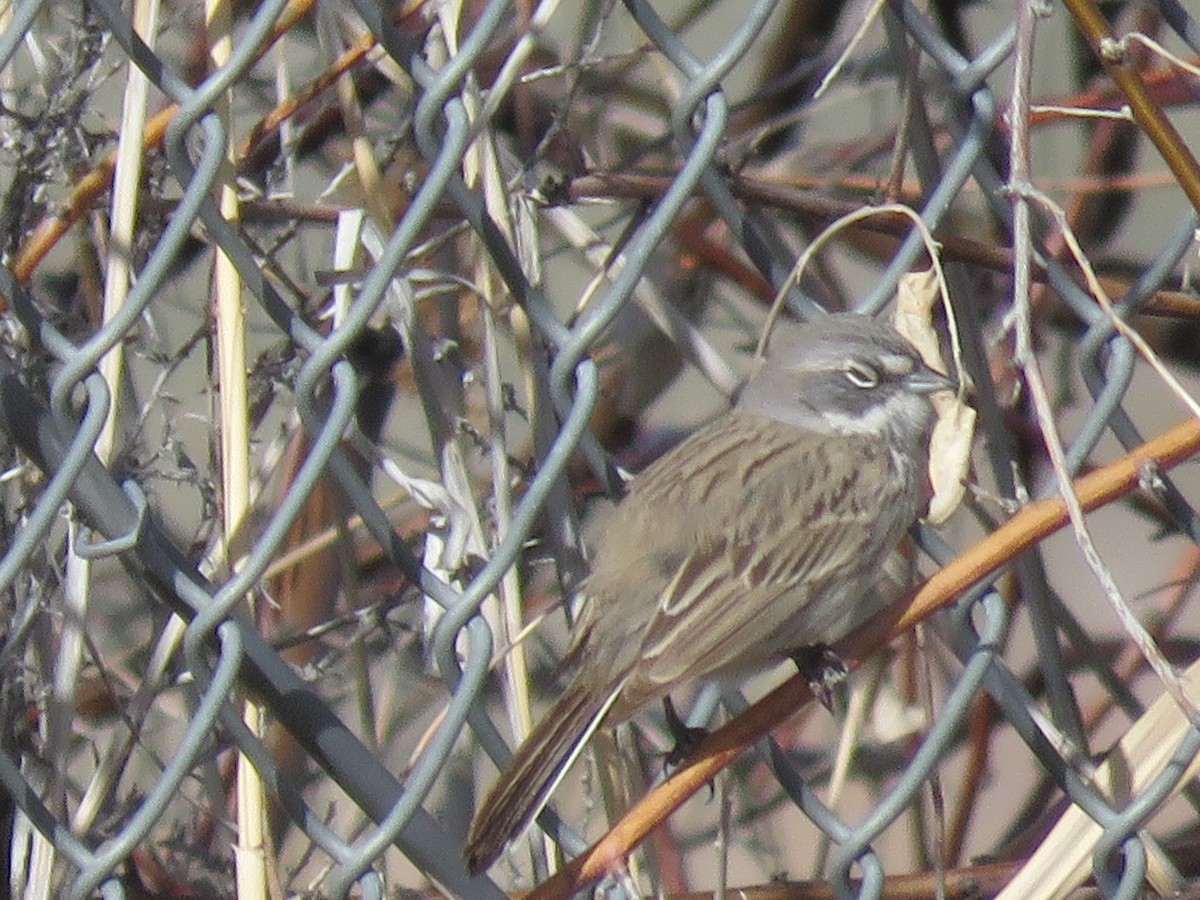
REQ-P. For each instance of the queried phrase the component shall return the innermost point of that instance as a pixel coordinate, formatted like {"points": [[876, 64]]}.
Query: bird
{"points": [[755, 539]]}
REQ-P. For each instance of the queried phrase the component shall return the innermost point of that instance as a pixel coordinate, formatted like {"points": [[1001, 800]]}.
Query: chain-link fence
{"points": [[327, 326]]}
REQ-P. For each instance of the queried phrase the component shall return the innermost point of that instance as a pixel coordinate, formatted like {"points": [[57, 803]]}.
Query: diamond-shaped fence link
{"points": [[327, 325]]}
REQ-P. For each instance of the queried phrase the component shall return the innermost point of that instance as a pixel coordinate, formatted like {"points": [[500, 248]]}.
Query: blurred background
{"points": [[330, 329]]}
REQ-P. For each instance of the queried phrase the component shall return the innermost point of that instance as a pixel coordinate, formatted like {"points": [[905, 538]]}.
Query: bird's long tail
{"points": [[535, 771]]}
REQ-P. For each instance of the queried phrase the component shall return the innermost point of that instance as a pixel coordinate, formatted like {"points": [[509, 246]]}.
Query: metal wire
{"points": [[467, 262]]}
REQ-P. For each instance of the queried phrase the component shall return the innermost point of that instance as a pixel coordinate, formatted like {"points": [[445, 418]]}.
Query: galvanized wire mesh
{"points": [[472, 247]]}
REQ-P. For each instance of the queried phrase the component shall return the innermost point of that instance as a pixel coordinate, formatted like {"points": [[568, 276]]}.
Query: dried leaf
{"points": [[950, 446]]}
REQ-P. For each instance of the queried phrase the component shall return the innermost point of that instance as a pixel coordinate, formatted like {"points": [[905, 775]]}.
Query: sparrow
{"points": [[756, 539]]}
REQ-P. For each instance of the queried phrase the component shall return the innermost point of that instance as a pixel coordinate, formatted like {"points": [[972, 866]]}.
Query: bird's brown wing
{"points": [[803, 524]]}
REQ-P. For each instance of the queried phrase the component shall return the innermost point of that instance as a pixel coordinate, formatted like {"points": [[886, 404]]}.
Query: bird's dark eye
{"points": [[861, 375]]}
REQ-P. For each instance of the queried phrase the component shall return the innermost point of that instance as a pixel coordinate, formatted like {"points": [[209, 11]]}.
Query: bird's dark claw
{"points": [[823, 669], [686, 738]]}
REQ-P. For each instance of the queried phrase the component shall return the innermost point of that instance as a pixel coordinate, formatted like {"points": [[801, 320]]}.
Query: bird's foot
{"points": [[686, 738], [823, 669]]}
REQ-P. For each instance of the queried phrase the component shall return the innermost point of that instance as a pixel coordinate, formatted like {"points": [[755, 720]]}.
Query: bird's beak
{"points": [[926, 381]]}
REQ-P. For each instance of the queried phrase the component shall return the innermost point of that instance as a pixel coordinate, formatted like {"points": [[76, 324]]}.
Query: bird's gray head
{"points": [[848, 374]]}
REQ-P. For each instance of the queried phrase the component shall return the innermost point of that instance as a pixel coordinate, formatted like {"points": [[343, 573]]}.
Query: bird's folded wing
{"points": [[748, 598]]}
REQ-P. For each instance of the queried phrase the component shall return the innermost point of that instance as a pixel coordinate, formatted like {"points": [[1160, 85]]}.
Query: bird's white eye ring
{"points": [[861, 375]]}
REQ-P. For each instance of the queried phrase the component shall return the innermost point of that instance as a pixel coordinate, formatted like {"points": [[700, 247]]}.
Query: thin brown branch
{"points": [[820, 208], [1115, 58]]}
